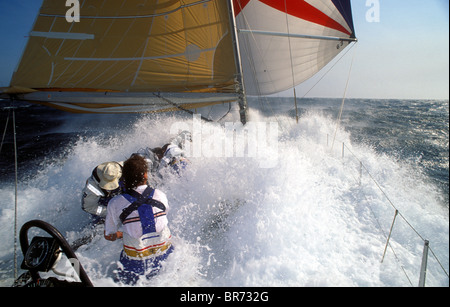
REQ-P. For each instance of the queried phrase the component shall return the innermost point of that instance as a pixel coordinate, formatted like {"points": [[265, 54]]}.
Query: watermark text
{"points": [[257, 140], [73, 13], [373, 13]]}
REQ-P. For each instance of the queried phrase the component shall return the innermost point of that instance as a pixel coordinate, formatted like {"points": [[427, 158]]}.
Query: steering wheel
{"points": [[42, 253]]}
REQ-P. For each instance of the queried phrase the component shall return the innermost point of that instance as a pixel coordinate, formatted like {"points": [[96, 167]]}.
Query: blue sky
{"points": [[404, 55]]}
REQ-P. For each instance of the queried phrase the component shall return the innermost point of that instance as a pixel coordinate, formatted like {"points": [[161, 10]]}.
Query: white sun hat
{"points": [[109, 174]]}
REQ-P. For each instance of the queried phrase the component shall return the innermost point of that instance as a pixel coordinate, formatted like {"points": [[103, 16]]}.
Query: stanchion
{"points": [[423, 268]]}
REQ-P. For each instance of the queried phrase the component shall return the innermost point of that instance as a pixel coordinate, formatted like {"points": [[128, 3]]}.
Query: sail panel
{"points": [[273, 63], [131, 46], [345, 9]]}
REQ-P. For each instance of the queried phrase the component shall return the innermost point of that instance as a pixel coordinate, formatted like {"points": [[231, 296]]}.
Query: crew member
{"points": [[172, 155], [100, 188], [140, 212]]}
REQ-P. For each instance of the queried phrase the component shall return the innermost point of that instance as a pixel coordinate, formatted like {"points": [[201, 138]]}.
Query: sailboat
{"points": [[158, 56]]}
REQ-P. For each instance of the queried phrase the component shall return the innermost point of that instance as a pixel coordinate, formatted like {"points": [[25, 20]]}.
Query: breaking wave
{"points": [[309, 219]]}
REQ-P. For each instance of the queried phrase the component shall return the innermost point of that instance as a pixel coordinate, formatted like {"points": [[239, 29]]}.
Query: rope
{"points": [[6, 128], [323, 76], [16, 178], [225, 115], [15, 192], [292, 62], [179, 107], [343, 100]]}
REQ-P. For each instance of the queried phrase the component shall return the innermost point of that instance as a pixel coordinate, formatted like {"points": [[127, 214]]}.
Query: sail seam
{"points": [[142, 54], [138, 58]]}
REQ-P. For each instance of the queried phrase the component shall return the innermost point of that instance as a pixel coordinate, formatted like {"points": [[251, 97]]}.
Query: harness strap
{"points": [[144, 198]]}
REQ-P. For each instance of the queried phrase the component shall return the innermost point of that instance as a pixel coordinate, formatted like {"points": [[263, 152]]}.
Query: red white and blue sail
{"points": [[285, 42]]}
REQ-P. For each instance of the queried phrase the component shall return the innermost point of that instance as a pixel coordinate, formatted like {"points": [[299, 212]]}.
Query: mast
{"points": [[240, 88]]}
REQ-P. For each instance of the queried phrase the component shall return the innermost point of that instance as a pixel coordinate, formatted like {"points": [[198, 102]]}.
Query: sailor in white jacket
{"points": [[105, 183], [101, 186], [172, 156]]}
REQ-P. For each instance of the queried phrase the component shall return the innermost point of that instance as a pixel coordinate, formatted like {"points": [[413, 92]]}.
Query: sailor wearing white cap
{"points": [[103, 185]]}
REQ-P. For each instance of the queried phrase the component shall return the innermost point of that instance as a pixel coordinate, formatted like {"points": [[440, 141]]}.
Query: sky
{"points": [[402, 50], [403, 55]]}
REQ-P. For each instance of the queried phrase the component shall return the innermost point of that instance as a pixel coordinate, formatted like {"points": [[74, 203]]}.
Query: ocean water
{"points": [[292, 210]]}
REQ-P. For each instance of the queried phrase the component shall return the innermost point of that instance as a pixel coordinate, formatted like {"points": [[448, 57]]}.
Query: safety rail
{"points": [[426, 248]]}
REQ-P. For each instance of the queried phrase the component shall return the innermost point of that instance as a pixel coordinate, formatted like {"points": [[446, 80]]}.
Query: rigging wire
{"points": [[292, 61], [323, 76], [15, 187], [6, 128], [225, 115], [331, 67], [343, 100], [15, 193], [16, 177], [179, 107], [397, 213]]}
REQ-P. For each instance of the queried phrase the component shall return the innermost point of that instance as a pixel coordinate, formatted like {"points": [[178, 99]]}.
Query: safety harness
{"points": [[144, 204]]}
